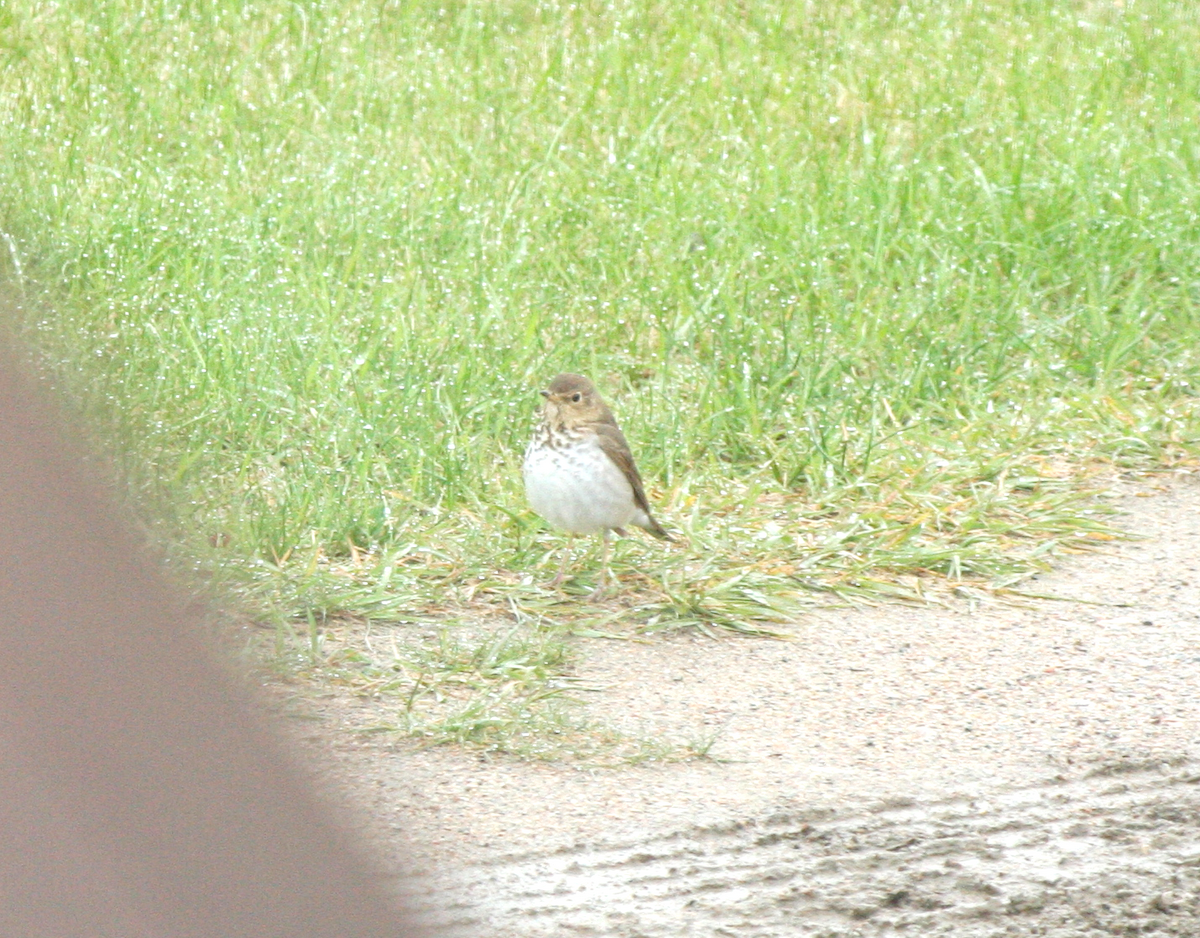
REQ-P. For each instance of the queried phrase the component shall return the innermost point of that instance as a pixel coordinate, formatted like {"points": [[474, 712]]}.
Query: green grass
{"points": [[493, 688], [874, 289]]}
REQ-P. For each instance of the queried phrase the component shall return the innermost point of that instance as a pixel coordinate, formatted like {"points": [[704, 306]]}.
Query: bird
{"points": [[579, 471]]}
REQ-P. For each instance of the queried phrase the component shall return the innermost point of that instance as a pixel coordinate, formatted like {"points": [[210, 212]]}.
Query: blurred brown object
{"points": [[140, 794]]}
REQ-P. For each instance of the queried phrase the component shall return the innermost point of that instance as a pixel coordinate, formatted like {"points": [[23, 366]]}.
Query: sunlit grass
{"points": [[876, 291]]}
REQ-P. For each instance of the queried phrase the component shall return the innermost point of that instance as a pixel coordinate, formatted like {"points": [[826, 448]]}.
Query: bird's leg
{"points": [[605, 573], [562, 566]]}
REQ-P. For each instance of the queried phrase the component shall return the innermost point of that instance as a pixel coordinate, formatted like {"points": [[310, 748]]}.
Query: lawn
{"points": [[878, 291]]}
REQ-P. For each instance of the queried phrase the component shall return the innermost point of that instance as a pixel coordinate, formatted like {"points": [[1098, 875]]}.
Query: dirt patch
{"points": [[1073, 859], [1002, 770]]}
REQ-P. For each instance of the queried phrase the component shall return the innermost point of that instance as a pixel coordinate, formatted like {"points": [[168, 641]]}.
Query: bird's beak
{"points": [[545, 394]]}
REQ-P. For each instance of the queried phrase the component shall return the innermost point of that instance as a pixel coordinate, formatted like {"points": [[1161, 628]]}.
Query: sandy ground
{"points": [[1007, 770]]}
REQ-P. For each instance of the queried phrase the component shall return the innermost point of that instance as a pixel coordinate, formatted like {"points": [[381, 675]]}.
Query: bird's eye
{"points": [[576, 397]]}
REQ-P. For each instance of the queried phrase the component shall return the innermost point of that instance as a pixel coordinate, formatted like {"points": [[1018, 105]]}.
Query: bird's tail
{"points": [[656, 529]]}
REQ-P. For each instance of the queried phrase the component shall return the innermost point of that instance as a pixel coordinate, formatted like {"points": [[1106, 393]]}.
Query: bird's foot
{"points": [[602, 589]]}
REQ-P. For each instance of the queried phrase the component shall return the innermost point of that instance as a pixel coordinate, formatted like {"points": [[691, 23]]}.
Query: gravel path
{"points": [[920, 771]]}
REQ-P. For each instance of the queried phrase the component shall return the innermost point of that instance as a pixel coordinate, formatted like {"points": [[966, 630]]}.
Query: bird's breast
{"points": [[576, 487]]}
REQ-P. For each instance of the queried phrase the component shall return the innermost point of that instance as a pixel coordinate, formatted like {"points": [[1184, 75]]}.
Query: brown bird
{"points": [[579, 472]]}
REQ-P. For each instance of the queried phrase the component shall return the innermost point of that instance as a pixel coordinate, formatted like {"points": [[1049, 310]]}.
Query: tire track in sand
{"points": [[1115, 853]]}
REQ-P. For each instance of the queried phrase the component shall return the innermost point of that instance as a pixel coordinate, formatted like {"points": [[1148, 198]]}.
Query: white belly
{"points": [[579, 490]]}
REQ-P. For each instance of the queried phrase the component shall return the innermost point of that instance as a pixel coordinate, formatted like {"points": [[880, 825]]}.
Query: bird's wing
{"points": [[613, 443]]}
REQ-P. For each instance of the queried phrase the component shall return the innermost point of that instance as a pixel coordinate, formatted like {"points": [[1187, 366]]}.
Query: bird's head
{"points": [[572, 400]]}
